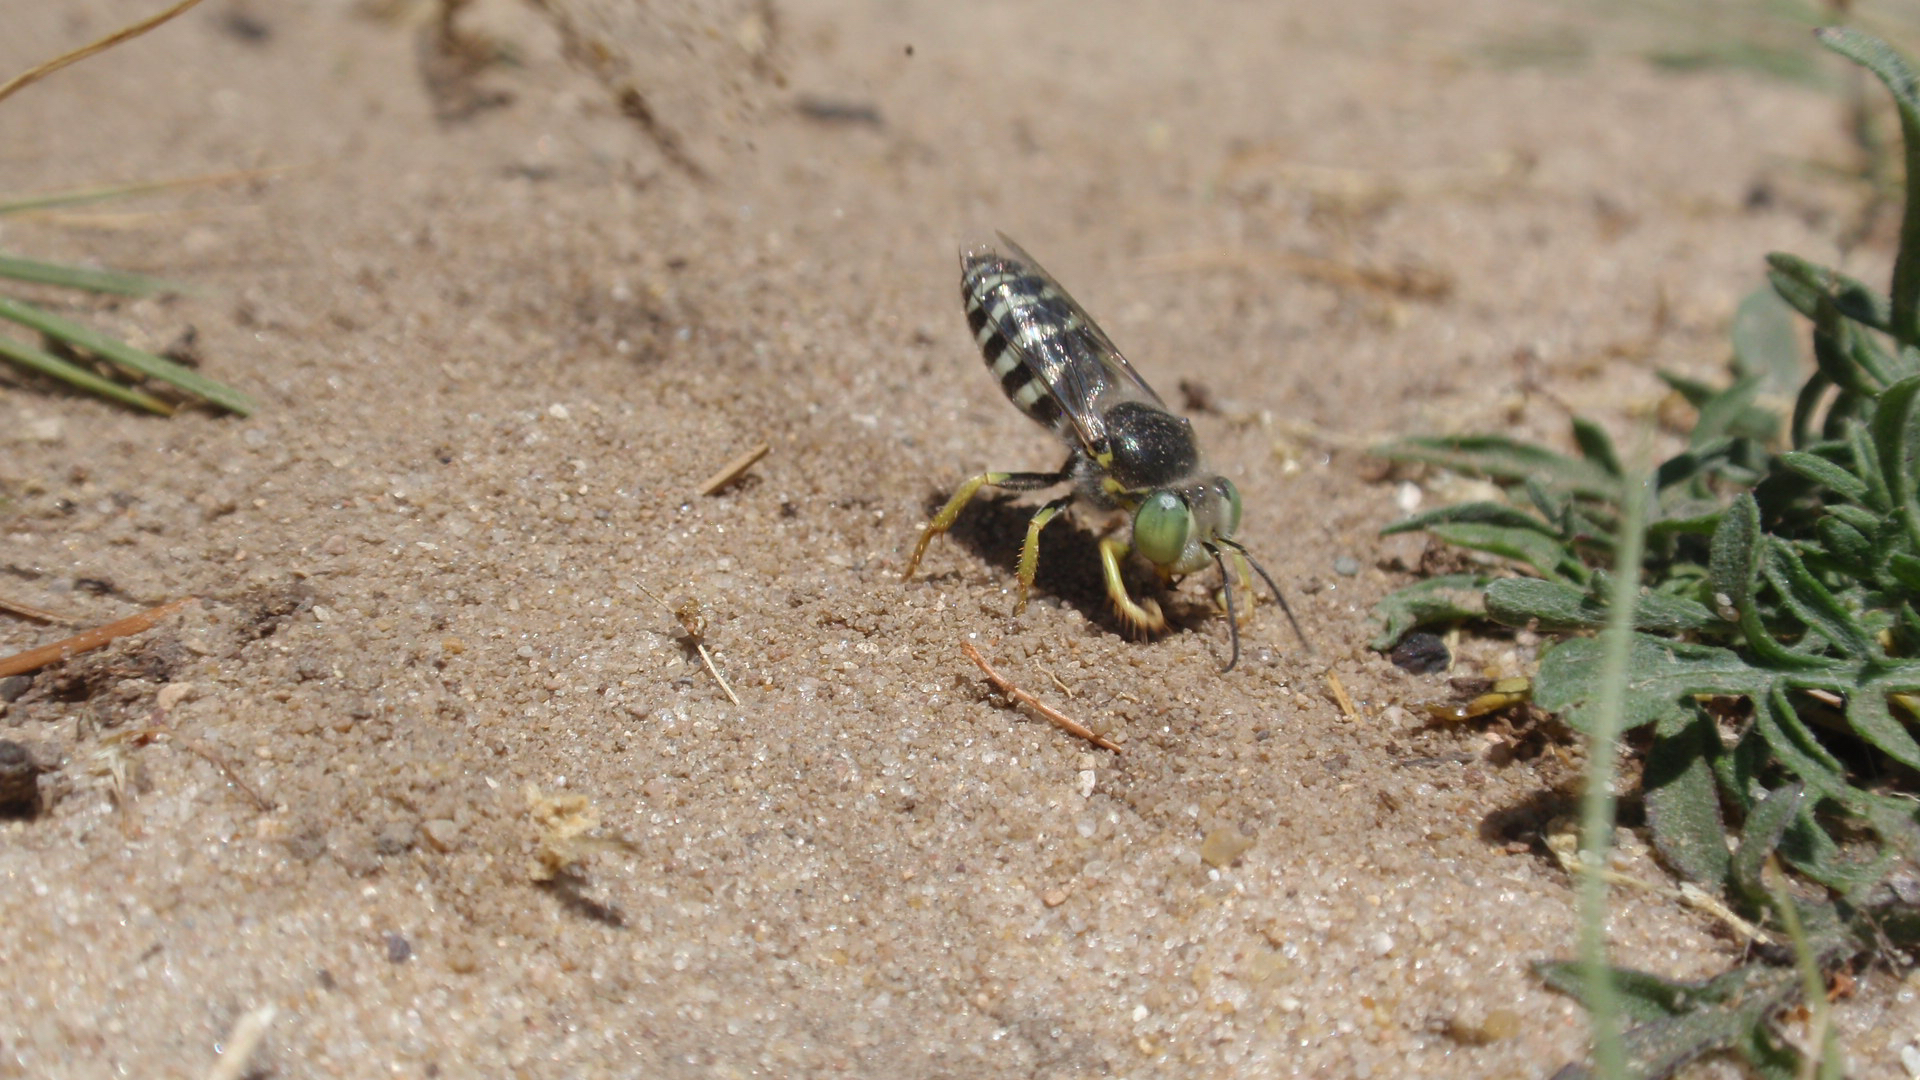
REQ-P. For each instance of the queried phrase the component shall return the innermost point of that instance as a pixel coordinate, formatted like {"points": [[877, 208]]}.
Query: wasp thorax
{"points": [[1151, 448]]}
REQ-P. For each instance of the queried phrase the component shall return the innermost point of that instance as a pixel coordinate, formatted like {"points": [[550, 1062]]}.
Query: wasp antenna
{"points": [[1277, 594], [1226, 589]]}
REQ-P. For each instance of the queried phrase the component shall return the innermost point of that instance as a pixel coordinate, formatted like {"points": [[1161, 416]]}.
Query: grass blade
{"points": [[146, 363], [81, 277], [1597, 803], [50, 365]]}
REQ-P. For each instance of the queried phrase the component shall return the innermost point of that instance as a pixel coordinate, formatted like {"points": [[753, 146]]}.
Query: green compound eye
{"points": [[1233, 508], [1160, 527]]}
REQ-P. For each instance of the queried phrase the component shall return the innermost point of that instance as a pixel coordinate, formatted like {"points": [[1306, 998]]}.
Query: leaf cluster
{"points": [[1776, 654]]}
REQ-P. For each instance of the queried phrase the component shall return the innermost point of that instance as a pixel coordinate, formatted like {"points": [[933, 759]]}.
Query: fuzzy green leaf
{"points": [[1797, 749], [1767, 822], [1478, 513], [1891, 69], [1500, 458], [1766, 342], [1824, 472], [1905, 569], [1812, 604], [1683, 803], [1735, 554], [1596, 446], [1802, 284], [1732, 412], [1682, 1021], [1846, 543], [1664, 673], [1896, 442], [1558, 607], [1869, 717], [1525, 545], [1448, 598]]}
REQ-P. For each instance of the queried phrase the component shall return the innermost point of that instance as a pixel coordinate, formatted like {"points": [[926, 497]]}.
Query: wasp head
{"points": [[1177, 528]]}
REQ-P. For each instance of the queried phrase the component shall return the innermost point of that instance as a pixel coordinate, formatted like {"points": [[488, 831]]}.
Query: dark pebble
{"points": [[1421, 653]]}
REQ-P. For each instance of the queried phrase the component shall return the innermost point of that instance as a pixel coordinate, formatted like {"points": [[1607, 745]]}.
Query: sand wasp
{"points": [[1126, 450]]}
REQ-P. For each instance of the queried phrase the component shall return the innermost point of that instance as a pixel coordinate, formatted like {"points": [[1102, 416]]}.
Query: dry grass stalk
{"points": [[1055, 716], [734, 470], [87, 640], [125, 33]]}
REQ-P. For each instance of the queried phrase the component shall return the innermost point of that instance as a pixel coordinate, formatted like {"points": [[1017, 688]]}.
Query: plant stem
{"points": [[1597, 804]]}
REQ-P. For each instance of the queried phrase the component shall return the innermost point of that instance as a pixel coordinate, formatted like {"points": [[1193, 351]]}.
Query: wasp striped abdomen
{"points": [[1125, 449]]}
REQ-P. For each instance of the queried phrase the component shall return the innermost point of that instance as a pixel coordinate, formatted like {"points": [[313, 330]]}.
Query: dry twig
{"points": [[34, 659], [1339, 691], [1058, 718], [248, 1033], [734, 470], [125, 33], [26, 611], [695, 625]]}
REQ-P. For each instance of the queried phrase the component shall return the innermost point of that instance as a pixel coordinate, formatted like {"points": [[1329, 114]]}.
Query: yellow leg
{"points": [[1245, 585], [1011, 481], [1030, 549], [944, 519], [1144, 618]]}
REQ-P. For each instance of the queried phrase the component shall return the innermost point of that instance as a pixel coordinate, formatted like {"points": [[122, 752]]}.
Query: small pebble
{"points": [[1421, 653], [1346, 565], [1224, 845], [441, 833], [173, 694], [19, 773], [395, 839], [399, 950]]}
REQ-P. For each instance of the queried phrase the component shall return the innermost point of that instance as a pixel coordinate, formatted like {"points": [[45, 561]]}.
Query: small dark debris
{"points": [[1760, 196], [185, 349], [306, 845], [242, 25], [1336, 763], [1197, 397], [789, 510], [1421, 654], [96, 586], [1468, 686], [326, 980], [399, 949], [909, 50], [395, 839], [829, 111], [267, 610], [19, 780]]}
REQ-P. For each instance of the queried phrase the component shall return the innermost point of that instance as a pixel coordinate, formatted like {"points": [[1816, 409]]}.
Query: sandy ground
{"points": [[501, 330]]}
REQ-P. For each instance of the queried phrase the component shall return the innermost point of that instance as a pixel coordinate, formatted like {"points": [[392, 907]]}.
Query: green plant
{"points": [[1775, 652], [109, 355]]}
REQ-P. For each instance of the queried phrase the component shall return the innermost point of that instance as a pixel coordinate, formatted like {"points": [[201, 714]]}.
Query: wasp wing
{"points": [[1075, 362]]}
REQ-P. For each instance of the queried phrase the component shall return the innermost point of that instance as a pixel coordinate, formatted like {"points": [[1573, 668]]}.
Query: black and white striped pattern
{"points": [[1014, 313]]}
